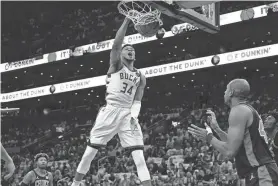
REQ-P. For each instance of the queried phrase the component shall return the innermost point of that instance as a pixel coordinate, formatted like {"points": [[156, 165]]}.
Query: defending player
{"points": [[271, 128], [9, 164], [125, 88], [246, 140], [39, 176]]}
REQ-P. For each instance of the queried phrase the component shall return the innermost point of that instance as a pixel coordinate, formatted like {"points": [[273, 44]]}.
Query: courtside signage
{"points": [[225, 19], [55, 56], [181, 66], [223, 59]]}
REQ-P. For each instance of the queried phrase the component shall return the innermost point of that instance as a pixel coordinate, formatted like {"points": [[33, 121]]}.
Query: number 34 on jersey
{"points": [[122, 86]]}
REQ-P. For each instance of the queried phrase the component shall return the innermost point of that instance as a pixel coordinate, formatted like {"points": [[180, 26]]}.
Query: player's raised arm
{"points": [[115, 54], [238, 119], [214, 125], [136, 106]]}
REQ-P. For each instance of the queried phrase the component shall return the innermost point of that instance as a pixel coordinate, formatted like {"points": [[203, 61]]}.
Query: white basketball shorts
{"points": [[114, 120]]}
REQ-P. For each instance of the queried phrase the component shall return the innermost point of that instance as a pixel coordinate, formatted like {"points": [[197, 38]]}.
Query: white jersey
{"points": [[121, 87]]}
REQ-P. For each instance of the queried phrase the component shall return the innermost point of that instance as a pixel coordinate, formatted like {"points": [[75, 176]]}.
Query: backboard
{"points": [[202, 14]]}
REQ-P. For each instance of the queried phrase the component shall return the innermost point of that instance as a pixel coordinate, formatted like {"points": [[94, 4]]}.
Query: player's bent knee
{"points": [[142, 170], [86, 160]]}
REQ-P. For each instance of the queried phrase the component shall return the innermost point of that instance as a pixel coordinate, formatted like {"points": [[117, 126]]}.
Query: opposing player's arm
{"points": [[115, 54], [27, 179], [237, 121], [50, 179], [222, 134], [136, 106]]}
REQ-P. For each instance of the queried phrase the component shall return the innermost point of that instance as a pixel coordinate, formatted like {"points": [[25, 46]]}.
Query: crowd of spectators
{"points": [[173, 156], [39, 28]]}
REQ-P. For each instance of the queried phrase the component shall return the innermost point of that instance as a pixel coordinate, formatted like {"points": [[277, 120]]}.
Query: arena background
{"points": [[54, 56]]}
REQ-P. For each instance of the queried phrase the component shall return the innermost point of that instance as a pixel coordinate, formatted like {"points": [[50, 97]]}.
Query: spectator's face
{"points": [[194, 144], [128, 53], [42, 163], [208, 171], [66, 171], [200, 184], [269, 122], [57, 174]]}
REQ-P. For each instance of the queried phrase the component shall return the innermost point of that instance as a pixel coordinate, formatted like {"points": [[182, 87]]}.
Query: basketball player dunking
{"points": [[125, 88], [271, 129], [39, 176], [246, 139]]}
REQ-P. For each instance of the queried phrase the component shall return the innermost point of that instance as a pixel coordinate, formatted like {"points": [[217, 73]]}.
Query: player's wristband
{"points": [[209, 137], [135, 109]]}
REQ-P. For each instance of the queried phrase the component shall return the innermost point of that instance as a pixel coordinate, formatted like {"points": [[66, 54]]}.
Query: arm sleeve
{"points": [[135, 109]]}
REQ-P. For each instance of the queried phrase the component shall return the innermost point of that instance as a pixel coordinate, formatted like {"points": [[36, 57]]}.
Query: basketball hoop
{"points": [[139, 12]]}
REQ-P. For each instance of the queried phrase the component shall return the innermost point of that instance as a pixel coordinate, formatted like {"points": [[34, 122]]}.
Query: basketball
{"points": [[148, 30]]}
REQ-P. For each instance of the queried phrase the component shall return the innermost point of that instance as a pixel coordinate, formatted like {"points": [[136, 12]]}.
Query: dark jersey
{"points": [[254, 151], [41, 180]]}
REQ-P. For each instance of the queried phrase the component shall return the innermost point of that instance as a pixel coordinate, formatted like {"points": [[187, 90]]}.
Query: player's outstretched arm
{"points": [[27, 179], [8, 162], [115, 54], [237, 122], [214, 125]]}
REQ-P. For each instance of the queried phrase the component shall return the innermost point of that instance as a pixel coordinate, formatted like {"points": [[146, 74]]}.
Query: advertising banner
{"points": [[159, 70]]}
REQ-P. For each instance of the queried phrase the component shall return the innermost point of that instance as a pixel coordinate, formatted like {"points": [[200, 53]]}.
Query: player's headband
{"points": [[38, 156]]}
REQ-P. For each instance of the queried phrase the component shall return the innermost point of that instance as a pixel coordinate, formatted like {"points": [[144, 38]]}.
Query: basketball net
{"points": [[139, 12]]}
